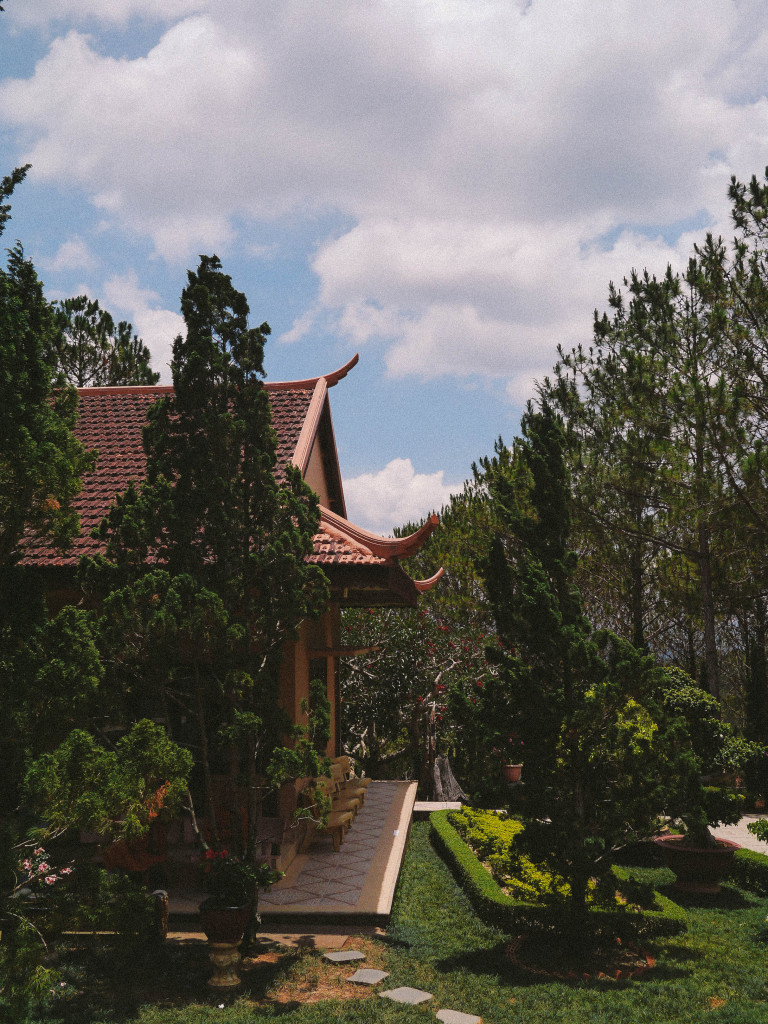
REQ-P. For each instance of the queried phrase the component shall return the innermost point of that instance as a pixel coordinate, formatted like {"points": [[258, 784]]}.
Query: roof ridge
{"points": [[308, 384]]}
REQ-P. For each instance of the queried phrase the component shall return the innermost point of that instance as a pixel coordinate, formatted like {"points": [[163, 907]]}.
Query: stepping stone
{"points": [[343, 956], [405, 994], [456, 1017], [368, 976]]}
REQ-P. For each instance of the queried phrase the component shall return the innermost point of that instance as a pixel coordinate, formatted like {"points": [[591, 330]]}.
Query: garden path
{"points": [[739, 834]]}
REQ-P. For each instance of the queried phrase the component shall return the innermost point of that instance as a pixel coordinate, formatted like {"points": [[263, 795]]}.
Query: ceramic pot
{"points": [[224, 928], [697, 868], [512, 772], [224, 924]]}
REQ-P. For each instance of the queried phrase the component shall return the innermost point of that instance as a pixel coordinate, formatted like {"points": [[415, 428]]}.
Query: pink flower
{"points": [[50, 879], [66, 871], [27, 865], [38, 852], [42, 868]]}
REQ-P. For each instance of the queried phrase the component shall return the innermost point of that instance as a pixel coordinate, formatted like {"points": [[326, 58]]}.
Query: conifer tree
{"points": [[598, 762], [41, 462], [213, 511], [92, 351]]}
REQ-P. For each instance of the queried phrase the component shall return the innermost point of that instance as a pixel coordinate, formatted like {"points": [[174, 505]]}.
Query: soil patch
{"points": [[613, 961]]}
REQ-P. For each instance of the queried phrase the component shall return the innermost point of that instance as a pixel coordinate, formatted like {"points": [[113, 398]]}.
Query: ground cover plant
{"points": [[713, 972]]}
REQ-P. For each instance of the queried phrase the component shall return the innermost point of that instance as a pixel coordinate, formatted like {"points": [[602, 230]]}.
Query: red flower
{"points": [[210, 854]]}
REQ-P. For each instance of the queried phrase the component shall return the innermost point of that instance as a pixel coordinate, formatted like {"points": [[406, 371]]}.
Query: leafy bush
{"points": [[491, 835], [701, 711], [749, 869]]}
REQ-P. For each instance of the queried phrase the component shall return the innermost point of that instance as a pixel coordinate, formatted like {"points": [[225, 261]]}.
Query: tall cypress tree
{"points": [[213, 511], [595, 756]]}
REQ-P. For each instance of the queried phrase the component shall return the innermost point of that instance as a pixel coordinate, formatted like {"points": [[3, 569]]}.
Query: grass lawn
{"points": [[714, 972]]}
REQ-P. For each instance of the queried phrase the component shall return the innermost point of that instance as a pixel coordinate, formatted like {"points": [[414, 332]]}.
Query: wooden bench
{"points": [[348, 788], [339, 822]]}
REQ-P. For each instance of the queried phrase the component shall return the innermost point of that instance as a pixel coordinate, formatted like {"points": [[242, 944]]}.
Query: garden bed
{"points": [[495, 906]]}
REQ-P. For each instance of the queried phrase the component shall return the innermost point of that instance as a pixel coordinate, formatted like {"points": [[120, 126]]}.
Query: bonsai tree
{"points": [[602, 759], [714, 747]]}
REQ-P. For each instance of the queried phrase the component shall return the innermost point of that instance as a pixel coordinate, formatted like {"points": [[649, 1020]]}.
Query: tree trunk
{"points": [[210, 809], [253, 802], [445, 785], [757, 676], [708, 612], [636, 585]]}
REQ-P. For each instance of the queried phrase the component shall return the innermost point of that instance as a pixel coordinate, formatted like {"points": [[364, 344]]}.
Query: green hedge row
{"points": [[490, 902], [750, 871], [495, 907]]}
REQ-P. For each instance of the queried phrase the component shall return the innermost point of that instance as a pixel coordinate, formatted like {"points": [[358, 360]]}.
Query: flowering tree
{"points": [[414, 695]]}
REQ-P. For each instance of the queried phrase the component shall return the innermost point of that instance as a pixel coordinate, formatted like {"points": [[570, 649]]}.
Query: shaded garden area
{"points": [[714, 970]]}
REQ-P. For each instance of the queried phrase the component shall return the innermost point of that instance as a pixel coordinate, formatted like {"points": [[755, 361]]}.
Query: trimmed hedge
{"points": [[750, 870], [495, 907], [490, 902]]}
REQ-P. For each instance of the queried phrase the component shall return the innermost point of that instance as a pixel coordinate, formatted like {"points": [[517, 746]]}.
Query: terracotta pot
{"points": [[697, 868], [512, 772], [224, 924]]}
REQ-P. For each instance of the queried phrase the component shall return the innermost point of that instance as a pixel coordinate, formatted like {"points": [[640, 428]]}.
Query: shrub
{"points": [[495, 907], [750, 870], [491, 835]]}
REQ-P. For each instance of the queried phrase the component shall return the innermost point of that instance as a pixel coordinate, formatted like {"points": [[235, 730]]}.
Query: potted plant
{"points": [[699, 860], [513, 765]]}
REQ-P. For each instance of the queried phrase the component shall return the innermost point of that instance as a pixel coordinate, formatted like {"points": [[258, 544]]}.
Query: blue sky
{"points": [[446, 186]]}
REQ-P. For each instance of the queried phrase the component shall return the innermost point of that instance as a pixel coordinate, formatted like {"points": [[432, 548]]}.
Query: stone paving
{"points": [[739, 834], [357, 878]]}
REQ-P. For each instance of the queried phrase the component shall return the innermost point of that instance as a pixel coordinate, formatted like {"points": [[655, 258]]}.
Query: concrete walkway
{"points": [[738, 834]]}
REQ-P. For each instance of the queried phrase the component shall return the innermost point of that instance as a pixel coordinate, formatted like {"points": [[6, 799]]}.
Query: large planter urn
{"points": [[512, 772], [224, 928], [697, 868]]}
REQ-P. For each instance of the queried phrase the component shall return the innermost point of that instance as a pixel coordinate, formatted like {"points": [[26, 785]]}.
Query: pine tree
{"points": [[41, 462], [598, 765], [213, 512], [91, 351]]}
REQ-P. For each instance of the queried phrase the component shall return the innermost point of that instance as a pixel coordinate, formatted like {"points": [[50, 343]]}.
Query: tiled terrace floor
{"points": [[359, 879], [351, 886]]}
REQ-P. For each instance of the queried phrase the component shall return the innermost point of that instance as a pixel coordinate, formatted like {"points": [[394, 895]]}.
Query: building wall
{"points": [[315, 473]]}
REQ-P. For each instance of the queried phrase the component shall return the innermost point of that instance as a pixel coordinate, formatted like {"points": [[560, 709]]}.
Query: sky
{"points": [[445, 186]]}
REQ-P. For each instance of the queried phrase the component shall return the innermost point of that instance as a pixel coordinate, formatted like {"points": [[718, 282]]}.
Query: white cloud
{"points": [[300, 327], [112, 12], [395, 495], [478, 152], [74, 254], [156, 326]]}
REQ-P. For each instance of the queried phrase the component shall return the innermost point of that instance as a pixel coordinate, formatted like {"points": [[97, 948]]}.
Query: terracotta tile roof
{"points": [[333, 548], [111, 419]]}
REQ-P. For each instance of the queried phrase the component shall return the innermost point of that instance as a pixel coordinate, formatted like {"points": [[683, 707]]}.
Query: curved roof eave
{"points": [[309, 384], [389, 548]]}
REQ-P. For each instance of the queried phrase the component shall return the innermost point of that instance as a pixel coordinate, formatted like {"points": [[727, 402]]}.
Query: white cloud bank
{"points": [[396, 495], [481, 150]]}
